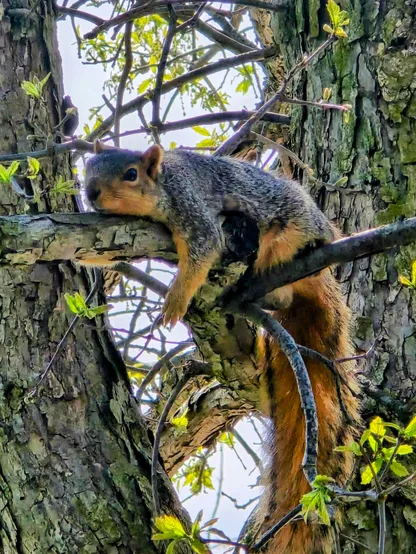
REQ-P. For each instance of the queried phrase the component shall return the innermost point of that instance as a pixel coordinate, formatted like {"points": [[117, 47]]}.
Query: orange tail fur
{"points": [[318, 319]]}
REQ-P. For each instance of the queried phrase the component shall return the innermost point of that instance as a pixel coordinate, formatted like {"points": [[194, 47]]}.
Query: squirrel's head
{"points": [[122, 181]]}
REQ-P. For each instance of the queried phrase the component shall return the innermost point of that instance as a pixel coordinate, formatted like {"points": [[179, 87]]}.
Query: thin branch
{"points": [[289, 348], [276, 528], [225, 542], [212, 119], [382, 525], [231, 144], [52, 149], [152, 7], [248, 449], [128, 56], [393, 488], [131, 272], [157, 92], [192, 369], [81, 15], [168, 86], [358, 543], [159, 365], [33, 393]]}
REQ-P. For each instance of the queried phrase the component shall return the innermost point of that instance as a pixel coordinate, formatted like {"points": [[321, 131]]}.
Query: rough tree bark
{"points": [[74, 462], [374, 71]]}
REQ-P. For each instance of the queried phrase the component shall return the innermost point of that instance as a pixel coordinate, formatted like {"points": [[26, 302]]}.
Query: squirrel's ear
{"points": [[98, 146], [152, 159]]}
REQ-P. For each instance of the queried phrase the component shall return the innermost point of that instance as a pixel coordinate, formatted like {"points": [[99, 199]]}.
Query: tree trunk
{"points": [[75, 460], [373, 70]]}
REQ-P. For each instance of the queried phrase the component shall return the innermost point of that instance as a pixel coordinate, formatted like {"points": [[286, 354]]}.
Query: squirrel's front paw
{"points": [[173, 309]]}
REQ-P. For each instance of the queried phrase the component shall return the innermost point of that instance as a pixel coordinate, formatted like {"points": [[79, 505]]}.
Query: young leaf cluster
{"points": [[171, 529], [77, 304], [382, 444]]}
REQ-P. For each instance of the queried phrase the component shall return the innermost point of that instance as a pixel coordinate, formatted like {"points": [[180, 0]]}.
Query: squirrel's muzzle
{"points": [[93, 191]]}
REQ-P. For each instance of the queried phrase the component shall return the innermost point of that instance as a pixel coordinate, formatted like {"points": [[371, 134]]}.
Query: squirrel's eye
{"points": [[130, 175]]}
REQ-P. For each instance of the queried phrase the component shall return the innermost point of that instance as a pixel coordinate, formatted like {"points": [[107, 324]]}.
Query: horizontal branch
{"points": [[152, 7], [345, 250], [57, 237], [211, 119]]}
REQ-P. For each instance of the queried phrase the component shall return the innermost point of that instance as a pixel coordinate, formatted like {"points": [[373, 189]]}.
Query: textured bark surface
{"points": [[75, 462], [374, 71]]}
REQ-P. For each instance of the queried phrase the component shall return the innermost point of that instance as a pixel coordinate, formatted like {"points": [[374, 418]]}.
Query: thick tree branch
{"points": [[345, 250]]}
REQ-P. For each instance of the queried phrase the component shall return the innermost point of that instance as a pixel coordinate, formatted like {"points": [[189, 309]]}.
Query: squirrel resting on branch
{"points": [[188, 193]]}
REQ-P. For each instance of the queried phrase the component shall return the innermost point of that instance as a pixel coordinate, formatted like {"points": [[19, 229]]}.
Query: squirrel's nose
{"points": [[93, 192]]}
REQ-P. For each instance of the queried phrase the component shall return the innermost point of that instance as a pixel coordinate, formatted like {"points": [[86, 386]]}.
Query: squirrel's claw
{"points": [[173, 310]]}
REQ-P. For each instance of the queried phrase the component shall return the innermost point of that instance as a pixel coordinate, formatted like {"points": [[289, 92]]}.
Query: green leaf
{"points": [[378, 430], [196, 524], [340, 33], [403, 450], [144, 85], [75, 303], [228, 439], [244, 86], [64, 187], [4, 175], [367, 474], [31, 89], [181, 421], [354, 447], [170, 527], [206, 143], [43, 82], [365, 436], [13, 167], [328, 29], [33, 167], [171, 547], [317, 499], [333, 11], [198, 546], [410, 431], [201, 131], [97, 310], [398, 469]]}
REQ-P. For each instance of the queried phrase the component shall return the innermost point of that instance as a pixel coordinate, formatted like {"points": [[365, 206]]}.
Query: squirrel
{"points": [[188, 192]]}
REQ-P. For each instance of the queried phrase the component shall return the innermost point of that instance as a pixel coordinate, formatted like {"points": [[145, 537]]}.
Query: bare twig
{"points": [[128, 56], [157, 92], [159, 365], [150, 7], [382, 526], [276, 528], [33, 393], [248, 449], [131, 272], [191, 369], [213, 118]]}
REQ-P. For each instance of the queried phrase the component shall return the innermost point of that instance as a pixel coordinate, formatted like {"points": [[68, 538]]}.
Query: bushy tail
{"points": [[318, 319]]}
